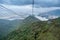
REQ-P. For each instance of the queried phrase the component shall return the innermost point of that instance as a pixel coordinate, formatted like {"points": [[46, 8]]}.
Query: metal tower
{"points": [[32, 7]]}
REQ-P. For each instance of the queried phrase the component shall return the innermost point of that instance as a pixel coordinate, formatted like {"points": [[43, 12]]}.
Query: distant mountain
{"points": [[52, 14], [6, 26], [36, 30]]}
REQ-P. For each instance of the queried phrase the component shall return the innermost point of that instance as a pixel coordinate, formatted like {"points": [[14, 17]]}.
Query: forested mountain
{"points": [[6, 26], [36, 30]]}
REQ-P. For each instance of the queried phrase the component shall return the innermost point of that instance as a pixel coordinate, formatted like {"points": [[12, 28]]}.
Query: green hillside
{"points": [[36, 30], [7, 26]]}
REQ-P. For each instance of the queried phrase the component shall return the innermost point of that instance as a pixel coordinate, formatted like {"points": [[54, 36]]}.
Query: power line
{"points": [[9, 10]]}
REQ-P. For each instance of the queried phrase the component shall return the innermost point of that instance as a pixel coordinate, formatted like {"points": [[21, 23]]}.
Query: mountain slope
{"points": [[38, 30], [7, 26]]}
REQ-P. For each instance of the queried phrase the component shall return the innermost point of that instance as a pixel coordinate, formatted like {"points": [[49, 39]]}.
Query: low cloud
{"points": [[41, 18]]}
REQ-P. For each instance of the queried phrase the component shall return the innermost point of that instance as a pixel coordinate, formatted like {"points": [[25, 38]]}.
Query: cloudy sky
{"points": [[27, 2], [23, 8]]}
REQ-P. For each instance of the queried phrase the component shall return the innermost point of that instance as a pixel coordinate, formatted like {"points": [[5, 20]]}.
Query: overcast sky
{"points": [[27, 2], [24, 7]]}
